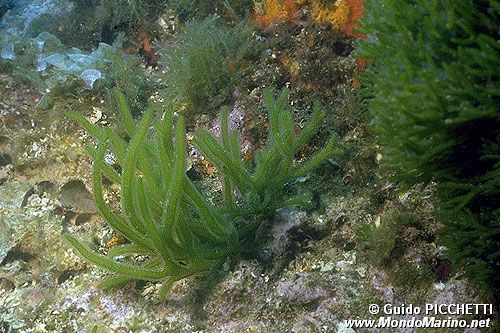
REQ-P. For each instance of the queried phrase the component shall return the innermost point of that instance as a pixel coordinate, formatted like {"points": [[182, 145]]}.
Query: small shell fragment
{"points": [[89, 76]]}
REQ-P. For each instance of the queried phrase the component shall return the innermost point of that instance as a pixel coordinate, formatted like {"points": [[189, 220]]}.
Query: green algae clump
{"points": [[164, 217]]}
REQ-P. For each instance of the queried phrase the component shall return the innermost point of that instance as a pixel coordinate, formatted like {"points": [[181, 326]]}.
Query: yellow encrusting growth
{"points": [[275, 11], [336, 14], [342, 14]]}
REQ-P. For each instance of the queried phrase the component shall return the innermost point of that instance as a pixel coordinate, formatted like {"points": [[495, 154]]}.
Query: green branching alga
{"points": [[432, 99], [204, 63], [164, 216]]}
